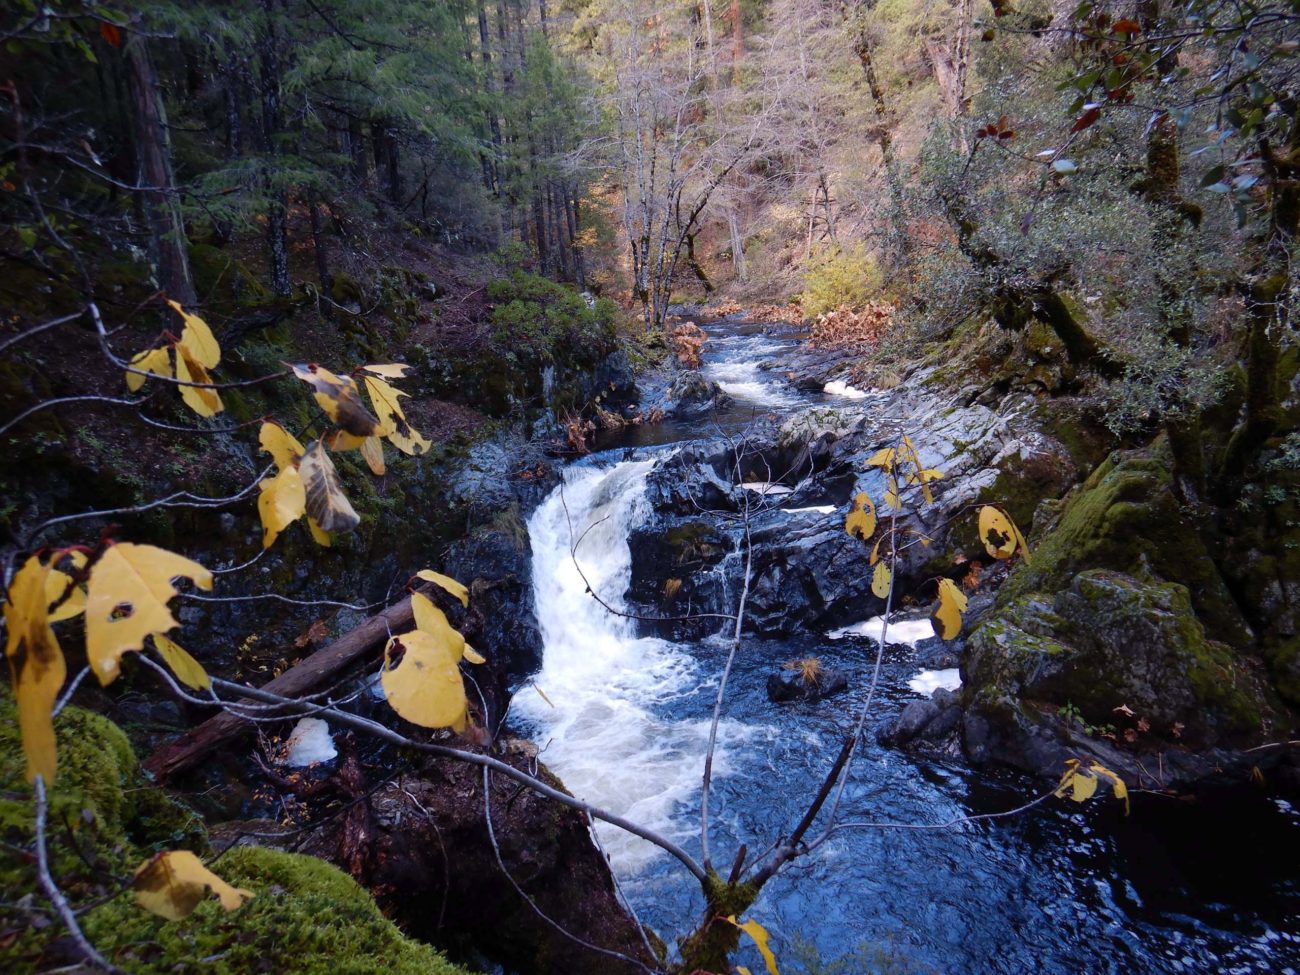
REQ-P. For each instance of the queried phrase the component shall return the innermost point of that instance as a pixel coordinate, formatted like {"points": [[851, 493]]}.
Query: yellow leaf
{"points": [[952, 603], [390, 371], [881, 580], [1082, 787], [473, 656], [403, 436], [861, 520], [892, 500], [282, 502], [156, 361], [283, 446], [172, 884], [198, 339], [326, 502], [187, 670], [339, 398], [36, 666], [997, 533], [128, 593], [875, 551], [340, 441], [422, 681], [372, 452], [742, 970], [760, 936], [56, 585], [431, 620], [882, 458], [1117, 785], [203, 401], [319, 535], [446, 582], [1021, 544]]}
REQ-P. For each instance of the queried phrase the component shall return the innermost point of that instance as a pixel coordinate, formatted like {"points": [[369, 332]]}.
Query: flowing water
{"points": [[623, 720]]}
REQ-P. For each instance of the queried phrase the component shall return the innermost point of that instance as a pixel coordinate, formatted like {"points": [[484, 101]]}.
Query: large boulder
{"points": [[691, 396]]}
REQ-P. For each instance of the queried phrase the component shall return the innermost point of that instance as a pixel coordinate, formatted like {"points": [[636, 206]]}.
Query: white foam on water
{"points": [[767, 487], [745, 380], [599, 726], [820, 509], [310, 742], [837, 387], [929, 681], [910, 632]]}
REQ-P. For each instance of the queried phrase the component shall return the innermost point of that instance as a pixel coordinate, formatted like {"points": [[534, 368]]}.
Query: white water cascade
{"points": [[594, 706]]}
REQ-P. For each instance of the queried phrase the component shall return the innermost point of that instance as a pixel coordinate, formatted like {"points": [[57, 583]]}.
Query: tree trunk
{"points": [[277, 216], [159, 197]]}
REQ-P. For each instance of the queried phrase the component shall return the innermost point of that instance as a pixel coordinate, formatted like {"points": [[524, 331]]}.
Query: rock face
{"points": [[806, 572], [1123, 640], [424, 849]]}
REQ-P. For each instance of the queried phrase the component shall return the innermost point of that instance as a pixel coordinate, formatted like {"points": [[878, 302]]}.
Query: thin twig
{"points": [[51, 889]]}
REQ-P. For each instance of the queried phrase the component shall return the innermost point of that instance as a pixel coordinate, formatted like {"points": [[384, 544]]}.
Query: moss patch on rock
{"points": [[105, 819], [1111, 640], [1125, 517], [306, 917]]}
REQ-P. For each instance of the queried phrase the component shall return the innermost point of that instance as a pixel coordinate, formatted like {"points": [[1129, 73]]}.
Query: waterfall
{"points": [[599, 715]]}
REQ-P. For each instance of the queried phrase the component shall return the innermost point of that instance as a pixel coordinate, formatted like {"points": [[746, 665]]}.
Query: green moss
{"points": [[105, 819], [306, 917], [1125, 517]]}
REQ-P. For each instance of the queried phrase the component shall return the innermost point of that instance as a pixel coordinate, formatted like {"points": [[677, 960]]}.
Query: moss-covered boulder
{"points": [[1111, 641], [105, 819], [305, 917], [1126, 517]]}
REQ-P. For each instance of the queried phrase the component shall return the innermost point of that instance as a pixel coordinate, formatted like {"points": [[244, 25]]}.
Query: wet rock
{"points": [[691, 396], [496, 565], [1112, 657], [790, 685], [426, 854]]}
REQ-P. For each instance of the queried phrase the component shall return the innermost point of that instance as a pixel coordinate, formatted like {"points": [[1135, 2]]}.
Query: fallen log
{"points": [[306, 675]]}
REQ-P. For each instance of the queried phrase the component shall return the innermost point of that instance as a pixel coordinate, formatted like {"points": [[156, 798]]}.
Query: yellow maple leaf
{"points": [[339, 398], [185, 667], [157, 361], [171, 885], [760, 938], [197, 338], [127, 601], [59, 588], [319, 535], [283, 500], [861, 519], [457, 589], [422, 681], [283, 446], [952, 603], [431, 620], [372, 452], [202, 400], [997, 533], [36, 666], [403, 436], [326, 502], [388, 371]]}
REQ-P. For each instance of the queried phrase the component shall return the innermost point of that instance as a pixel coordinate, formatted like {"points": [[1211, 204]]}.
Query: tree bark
{"points": [[161, 202], [322, 666]]}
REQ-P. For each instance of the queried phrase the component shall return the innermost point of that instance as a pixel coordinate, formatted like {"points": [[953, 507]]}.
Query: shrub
{"points": [[840, 277], [688, 342]]}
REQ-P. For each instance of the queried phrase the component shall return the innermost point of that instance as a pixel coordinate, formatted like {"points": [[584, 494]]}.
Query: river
{"points": [[623, 719]]}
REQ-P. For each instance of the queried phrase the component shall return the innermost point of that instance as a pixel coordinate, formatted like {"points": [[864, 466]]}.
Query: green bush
{"points": [[535, 323], [840, 277]]}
